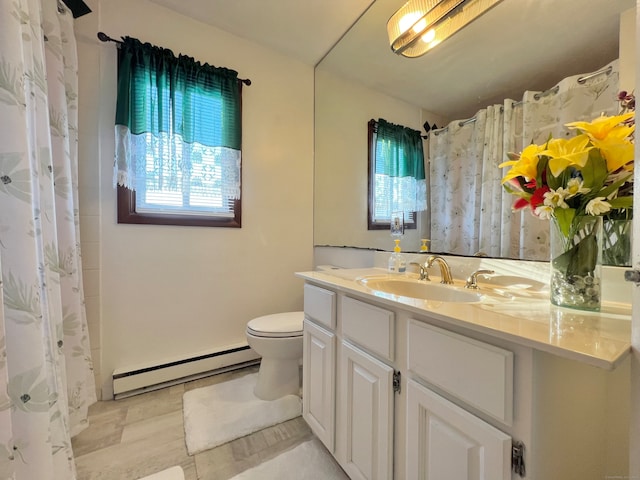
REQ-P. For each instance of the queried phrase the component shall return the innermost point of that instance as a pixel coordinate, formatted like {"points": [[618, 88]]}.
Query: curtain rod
{"points": [[537, 96], [103, 37], [462, 123], [580, 80], [586, 77], [551, 91]]}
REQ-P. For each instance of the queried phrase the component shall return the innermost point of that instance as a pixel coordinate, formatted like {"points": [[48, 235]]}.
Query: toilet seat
{"points": [[278, 325]]}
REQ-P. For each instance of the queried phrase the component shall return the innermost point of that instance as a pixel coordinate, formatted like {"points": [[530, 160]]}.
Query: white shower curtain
{"points": [[46, 378], [470, 211], [463, 182]]}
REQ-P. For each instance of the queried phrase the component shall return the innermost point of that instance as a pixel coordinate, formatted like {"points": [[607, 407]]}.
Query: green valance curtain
{"points": [[399, 166], [173, 111], [399, 151]]}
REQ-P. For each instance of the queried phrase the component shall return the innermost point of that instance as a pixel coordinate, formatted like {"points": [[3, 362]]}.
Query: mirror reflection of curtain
{"points": [[470, 211], [46, 377], [400, 183], [460, 165]]}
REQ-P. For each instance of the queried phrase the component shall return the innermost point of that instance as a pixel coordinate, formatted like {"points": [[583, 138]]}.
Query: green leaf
{"points": [[555, 182], [543, 161], [605, 192], [523, 194], [621, 202], [564, 217], [581, 259], [595, 172], [586, 256]]}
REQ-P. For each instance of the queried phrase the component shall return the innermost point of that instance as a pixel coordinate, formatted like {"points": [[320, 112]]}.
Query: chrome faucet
{"points": [[445, 271], [422, 270], [472, 281]]}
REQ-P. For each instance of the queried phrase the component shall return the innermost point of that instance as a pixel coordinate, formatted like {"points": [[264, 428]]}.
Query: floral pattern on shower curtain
{"points": [[46, 376], [470, 211]]}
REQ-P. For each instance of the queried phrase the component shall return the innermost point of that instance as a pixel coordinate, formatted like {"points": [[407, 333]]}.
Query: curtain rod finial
{"points": [[103, 37]]}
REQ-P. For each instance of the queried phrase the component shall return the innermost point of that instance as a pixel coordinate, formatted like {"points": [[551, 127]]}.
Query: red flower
{"points": [[537, 198], [520, 203]]}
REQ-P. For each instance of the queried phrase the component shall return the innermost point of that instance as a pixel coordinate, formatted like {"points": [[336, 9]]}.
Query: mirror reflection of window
{"points": [[396, 174]]}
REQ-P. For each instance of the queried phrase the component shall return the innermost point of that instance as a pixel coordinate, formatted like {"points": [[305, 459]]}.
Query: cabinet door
{"points": [[318, 382], [445, 442], [366, 408]]}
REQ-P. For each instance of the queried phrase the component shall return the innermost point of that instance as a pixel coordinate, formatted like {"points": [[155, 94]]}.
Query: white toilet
{"points": [[278, 339]]}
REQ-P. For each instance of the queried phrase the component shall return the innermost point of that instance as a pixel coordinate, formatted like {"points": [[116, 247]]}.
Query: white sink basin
{"points": [[420, 289], [513, 286]]}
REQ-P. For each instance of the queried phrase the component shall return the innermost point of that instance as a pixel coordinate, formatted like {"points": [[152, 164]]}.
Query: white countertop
{"points": [[601, 339]]}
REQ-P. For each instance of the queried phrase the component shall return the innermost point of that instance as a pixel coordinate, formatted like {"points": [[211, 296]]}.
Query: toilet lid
{"points": [[287, 324]]}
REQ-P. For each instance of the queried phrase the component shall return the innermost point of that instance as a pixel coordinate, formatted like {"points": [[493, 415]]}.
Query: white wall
{"points": [[163, 291], [628, 50], [89, 177], [343, 109]]}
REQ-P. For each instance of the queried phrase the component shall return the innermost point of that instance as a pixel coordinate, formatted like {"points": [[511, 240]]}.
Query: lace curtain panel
{"points": [[46, 375], [470, 211], [212, 173]]}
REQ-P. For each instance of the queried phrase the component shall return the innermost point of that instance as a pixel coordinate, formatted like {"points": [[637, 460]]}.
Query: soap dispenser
{"points": [[397, 263]]}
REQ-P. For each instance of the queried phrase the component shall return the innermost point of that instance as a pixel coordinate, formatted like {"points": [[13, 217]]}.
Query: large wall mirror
{"points": [[516, 46]]}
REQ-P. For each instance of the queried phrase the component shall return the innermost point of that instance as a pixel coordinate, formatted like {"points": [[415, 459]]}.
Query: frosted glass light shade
{"points": [[420, 25]]}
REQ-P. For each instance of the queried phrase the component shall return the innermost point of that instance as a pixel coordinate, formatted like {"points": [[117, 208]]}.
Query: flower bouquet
{"points": [[574, 182], [617, 224]]}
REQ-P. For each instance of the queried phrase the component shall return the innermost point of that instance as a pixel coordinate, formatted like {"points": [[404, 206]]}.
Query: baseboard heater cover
{"points": [[140, 379]]}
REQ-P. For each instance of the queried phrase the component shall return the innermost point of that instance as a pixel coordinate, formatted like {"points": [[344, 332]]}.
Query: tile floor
{"points": [[137, 436]]}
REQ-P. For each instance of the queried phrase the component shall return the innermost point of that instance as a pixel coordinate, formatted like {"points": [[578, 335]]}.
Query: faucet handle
{"points": [[424, 273], [472, 281]]}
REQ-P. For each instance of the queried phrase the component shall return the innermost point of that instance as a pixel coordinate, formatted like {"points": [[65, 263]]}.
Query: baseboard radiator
{"points": [[145, 378]]}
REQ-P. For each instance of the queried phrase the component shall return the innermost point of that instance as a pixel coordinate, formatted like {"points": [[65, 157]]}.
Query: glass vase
{"points": [[616, 242], [576, 260]]}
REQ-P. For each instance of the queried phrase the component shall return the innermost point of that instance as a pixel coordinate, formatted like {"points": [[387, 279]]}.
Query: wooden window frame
{"points": [[127, 214]]}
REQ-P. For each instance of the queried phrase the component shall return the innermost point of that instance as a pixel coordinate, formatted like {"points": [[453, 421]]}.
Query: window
{"points": [[178, 139], [396, 174]]}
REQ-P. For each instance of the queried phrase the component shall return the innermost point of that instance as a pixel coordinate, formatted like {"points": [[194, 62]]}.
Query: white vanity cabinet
{"points": [[318, 397], [319, 357], [347, 397], [397, 392], [443, 440], [365, 409], [446, 442]]}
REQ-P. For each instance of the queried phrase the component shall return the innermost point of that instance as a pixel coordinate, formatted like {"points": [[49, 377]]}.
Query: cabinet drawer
{"points": [[479, 374], [320, 305], [368, 326]]}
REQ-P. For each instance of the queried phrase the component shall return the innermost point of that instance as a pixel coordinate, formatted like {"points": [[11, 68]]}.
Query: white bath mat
{"points": [[225, 411], [308, 461], [173, 473]]}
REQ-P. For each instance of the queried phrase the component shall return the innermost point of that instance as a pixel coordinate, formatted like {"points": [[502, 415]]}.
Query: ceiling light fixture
{"points": [[420, 25]]}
